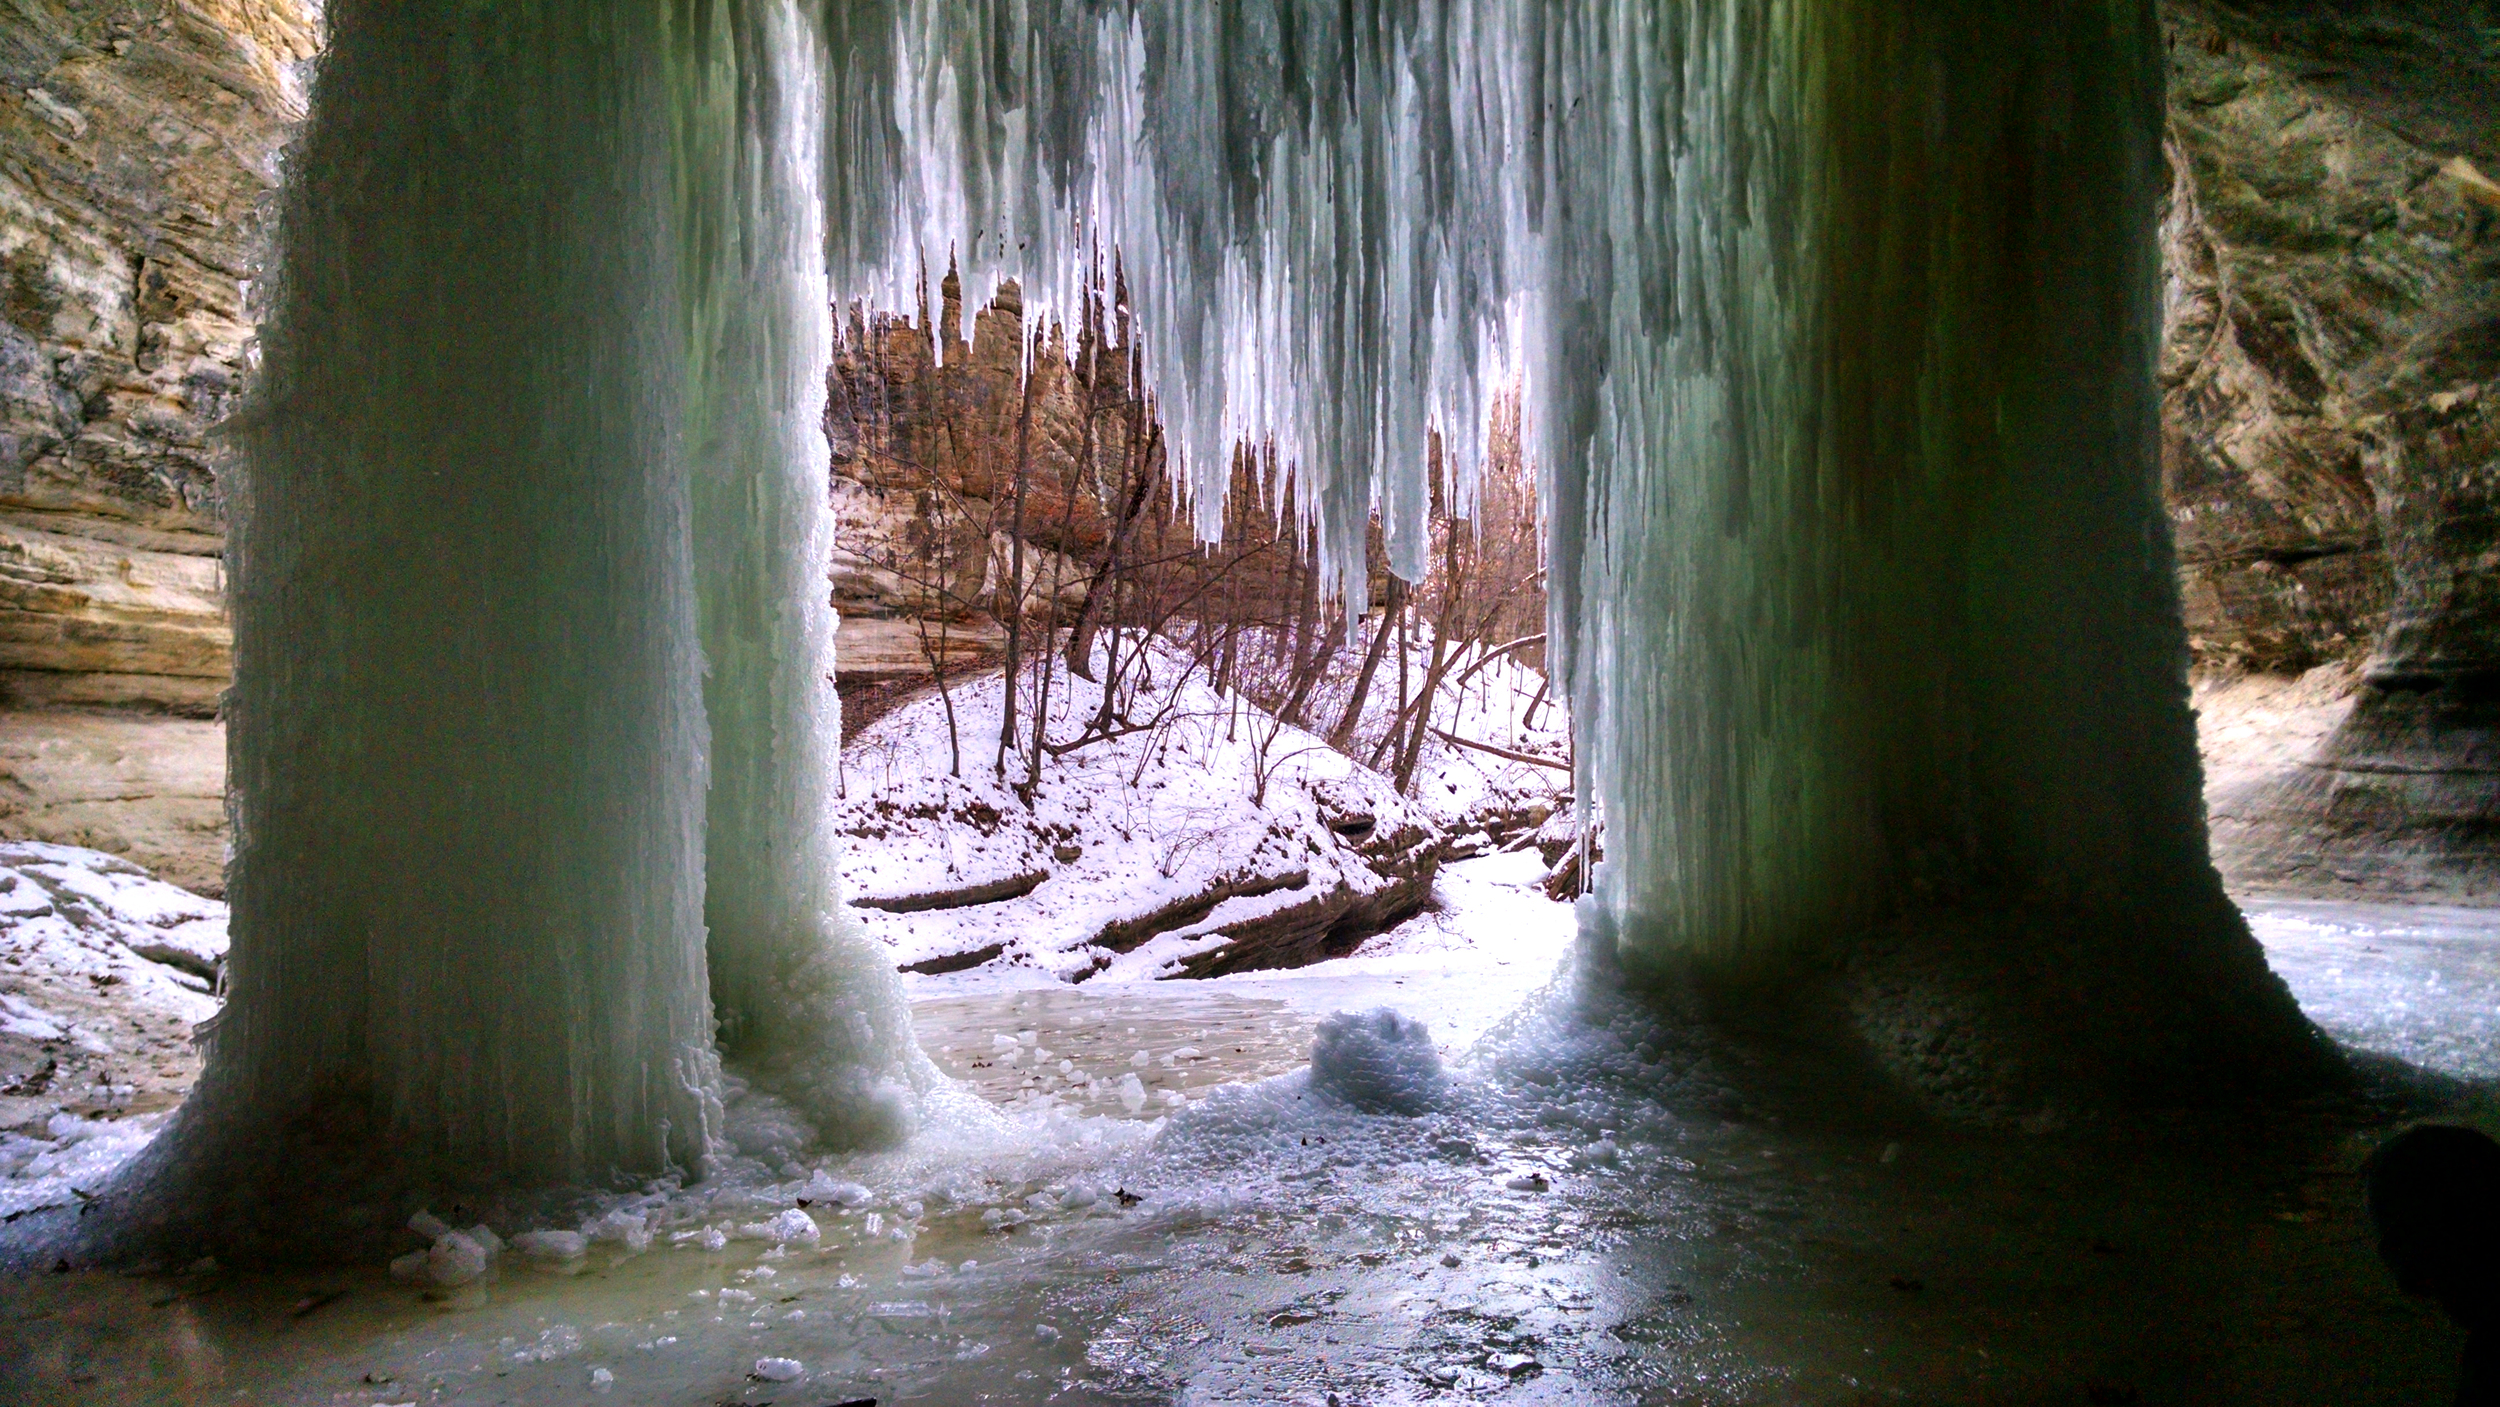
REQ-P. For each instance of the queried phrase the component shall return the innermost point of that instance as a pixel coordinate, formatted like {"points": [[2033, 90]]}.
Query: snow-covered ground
{"points": [[1198, 824], [1519, 770], [104, 973]]}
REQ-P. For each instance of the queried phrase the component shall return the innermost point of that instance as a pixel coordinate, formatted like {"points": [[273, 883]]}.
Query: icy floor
{"points": [[1595, 1225], [2419, 982]]}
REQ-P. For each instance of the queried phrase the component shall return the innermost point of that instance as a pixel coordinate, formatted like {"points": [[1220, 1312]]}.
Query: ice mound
{"points": [[1379, 1062]]}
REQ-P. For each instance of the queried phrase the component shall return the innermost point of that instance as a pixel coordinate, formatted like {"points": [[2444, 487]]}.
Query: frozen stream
{"points": [[1593, 1217]]}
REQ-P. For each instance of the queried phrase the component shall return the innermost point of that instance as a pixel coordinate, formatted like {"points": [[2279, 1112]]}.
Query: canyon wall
{"points": [[2331, 382], [138, 141]]}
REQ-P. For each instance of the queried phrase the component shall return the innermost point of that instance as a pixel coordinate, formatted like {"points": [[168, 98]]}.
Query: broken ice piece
{"points": [[454, 1261], [825, 1187], [551, 1245], [779, 1370], [784, 1228], [632, 1230], [1511, 1364], [429, 1226]]}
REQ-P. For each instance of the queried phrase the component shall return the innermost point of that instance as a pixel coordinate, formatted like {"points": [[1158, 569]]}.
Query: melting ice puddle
{"points": [[1423, 1261]]}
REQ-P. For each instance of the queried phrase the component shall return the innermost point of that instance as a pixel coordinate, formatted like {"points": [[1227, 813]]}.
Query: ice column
{"points": [[467, 746], [1871, 601], [806, 998]]}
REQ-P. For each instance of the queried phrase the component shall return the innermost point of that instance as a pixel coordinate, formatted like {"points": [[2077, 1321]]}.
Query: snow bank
{"points": [[104, 974], [1200, 836]]}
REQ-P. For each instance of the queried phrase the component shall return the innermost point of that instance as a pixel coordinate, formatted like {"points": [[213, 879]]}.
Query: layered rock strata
{"points": [[138, 140], [2332, 437]]}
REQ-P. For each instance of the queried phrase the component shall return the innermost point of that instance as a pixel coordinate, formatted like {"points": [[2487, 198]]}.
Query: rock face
{"points": [[137, 141], [2428, 70], [2332, 428], [926, 432], [145, 787]]}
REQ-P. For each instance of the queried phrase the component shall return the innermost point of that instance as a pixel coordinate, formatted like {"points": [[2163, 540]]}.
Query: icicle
{"points": [[1321, 209]]}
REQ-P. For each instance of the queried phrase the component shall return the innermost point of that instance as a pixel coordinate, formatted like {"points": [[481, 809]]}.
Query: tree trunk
{"points": [[1342, 736], [1015, 566]]}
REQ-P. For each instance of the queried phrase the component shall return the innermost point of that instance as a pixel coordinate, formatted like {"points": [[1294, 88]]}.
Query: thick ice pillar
{"points": [[1869, 592], [467, 751], [805, 997]]}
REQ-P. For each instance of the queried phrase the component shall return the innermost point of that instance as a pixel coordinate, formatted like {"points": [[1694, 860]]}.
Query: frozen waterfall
{"points": [[1863, 591]]}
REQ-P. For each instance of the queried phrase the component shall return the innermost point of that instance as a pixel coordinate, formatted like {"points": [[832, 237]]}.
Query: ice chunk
{"points": [[429, 1226], [601, 1380], [1379, 1062], [1132, 1093], [784, 1228], [1602, 1153], [454, 1261], [779, 1370], [632, 1230], [551, 1245], [825, 1187]]}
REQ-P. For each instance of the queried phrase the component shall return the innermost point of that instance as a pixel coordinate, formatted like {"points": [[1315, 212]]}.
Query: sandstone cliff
{"points": [[2332, 428], [137, 142]]}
